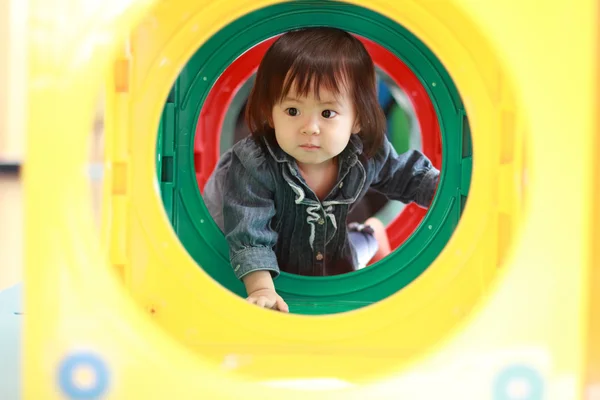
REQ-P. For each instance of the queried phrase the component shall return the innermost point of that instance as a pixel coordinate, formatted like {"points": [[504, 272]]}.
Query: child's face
{"points": [[312, 130]]}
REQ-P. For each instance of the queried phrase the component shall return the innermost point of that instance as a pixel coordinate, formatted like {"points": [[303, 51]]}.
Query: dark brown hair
{"points": [[318, 57]]}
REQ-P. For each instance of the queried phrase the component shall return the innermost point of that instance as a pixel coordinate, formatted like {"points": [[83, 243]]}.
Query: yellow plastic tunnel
{"points": [[504, 311]]}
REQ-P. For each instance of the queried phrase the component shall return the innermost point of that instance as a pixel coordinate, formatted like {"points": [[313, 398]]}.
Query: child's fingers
{"points": [[282, 305], [253, 300], [266, 302], [262, 301]]}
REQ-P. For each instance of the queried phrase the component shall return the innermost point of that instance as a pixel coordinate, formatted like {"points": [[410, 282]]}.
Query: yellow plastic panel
{"points": [[459, 331], [592, 336], [164, 280]]}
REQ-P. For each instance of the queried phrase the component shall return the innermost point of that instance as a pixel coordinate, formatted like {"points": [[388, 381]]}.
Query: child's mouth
{"points": [[309, 146]]}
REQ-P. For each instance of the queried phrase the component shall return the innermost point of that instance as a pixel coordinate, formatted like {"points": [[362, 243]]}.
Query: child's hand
{"points": [[268, 298]]}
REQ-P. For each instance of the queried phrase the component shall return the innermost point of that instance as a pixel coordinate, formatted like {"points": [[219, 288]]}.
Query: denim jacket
{"points": [[273, 221]]}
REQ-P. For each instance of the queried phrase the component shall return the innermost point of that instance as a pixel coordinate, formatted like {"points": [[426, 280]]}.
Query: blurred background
{"points": [[12, 141]]}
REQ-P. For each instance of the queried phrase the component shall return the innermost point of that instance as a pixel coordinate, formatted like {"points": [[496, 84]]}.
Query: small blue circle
{"points": [[68, 368], [519, 374]]}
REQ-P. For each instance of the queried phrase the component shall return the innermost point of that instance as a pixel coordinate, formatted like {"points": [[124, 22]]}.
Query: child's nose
{"points": [[310, 127]]}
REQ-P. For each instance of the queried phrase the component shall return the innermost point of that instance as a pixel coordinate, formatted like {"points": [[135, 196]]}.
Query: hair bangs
{"points": [[309, 78]]}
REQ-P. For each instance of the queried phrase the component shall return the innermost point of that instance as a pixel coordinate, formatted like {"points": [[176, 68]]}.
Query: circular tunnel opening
{"points": [[201, 119]]}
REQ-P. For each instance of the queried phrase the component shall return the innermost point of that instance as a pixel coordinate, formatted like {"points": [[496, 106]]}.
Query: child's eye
{"points": [[328, 114], [292, 112]]}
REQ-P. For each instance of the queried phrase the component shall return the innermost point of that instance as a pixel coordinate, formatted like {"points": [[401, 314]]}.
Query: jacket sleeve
{"points": [[248, 207], [408, 177]]}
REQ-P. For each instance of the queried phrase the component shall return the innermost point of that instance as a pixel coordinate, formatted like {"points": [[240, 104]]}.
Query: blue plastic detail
{"points": [[69, 367], [506, 385], [384, 95]]}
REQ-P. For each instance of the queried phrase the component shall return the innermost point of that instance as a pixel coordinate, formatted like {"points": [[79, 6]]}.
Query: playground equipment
{"points": [[503, 311], [186, 111]]}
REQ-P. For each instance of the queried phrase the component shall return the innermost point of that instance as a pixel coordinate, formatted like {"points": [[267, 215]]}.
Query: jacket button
{"points": [[319, 256], [321, 221], [341, 185]]}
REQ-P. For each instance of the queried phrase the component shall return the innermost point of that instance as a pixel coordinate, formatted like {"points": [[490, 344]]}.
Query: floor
{"points": [[10, 342], [11, 261]]}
